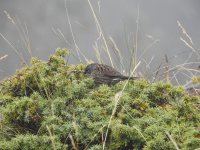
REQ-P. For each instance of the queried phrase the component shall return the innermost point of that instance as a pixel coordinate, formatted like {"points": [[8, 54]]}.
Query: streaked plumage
{"points": [[104, 74]]}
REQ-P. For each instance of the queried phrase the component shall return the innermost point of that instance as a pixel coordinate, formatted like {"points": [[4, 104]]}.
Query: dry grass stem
{"points": [[78, 51], [14, 49], [22, 31], [52, 138], [117, 98], [73, 142], [101, 34], [119, 55], [173, 141], [3, 57], [9, 17], [100, 130], [136, 34], [188, 45], [97, 52], [166, 69], [184, 32]]}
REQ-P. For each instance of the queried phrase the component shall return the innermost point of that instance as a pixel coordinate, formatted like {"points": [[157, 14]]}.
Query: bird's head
{"points": [[90, 68]]}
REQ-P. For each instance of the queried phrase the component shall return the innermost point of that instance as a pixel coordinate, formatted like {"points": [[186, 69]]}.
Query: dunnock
{"points": [[104, 74]]}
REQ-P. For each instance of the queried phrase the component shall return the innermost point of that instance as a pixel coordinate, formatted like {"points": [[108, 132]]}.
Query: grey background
{"points": [[157, 24]]}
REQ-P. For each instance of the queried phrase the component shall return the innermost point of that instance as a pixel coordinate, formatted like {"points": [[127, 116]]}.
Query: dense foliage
{"points": [[53, 105]]}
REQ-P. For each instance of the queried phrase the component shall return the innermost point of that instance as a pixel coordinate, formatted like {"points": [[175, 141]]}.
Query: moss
{"points": [[53, 105]]}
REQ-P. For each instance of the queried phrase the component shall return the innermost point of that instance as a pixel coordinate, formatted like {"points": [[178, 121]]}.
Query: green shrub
{"points": [[53, 105], [30, 142]]}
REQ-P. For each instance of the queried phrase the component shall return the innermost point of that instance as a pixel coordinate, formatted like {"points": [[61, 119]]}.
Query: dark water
{"points": [[45, 23]]}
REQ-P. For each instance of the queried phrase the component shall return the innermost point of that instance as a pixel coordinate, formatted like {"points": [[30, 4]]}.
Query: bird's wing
{"points": [[102, 80], [111, 72]]}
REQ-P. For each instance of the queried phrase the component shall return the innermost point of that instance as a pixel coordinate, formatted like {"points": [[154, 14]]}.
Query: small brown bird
{"points": [[104, 74]]}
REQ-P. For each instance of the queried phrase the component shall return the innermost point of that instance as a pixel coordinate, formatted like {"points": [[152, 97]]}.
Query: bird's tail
{"points": [[121, 78], [127, 78], [130, 78], [133, 78]]}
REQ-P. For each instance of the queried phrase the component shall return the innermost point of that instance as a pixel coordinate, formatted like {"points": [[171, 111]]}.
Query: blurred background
{"points": [[162, 35]]}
